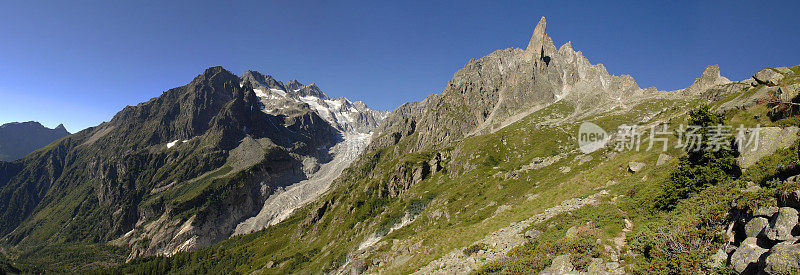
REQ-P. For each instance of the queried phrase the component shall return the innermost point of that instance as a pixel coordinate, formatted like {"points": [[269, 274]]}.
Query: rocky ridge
{"points": [[18, 139]]}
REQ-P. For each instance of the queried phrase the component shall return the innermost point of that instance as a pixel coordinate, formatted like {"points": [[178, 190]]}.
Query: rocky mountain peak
{"points": [[294, 85], [261, 80], [710, 77], [536, 44]]}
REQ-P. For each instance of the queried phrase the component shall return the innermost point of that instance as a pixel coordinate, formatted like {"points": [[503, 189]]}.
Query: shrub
{"points": [[475, 248], [702, 168]]}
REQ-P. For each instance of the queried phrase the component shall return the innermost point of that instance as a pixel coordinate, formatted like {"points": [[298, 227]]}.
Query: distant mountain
{"points": [[185, 169], [17, 139]]}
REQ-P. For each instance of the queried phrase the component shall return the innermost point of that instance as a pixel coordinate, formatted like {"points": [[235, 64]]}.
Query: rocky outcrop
{"points": [[769, 140], [768, 76], [766, 238], [709, 78], [535, 47]]}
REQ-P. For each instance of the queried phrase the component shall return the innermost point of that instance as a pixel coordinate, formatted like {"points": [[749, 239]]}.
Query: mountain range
{"points": [[17, 139], [248, 174]]}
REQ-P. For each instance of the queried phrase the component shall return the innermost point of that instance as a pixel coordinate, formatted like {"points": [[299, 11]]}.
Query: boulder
{"points": [[663, 158], [718, 259], [533, 233], [770, 139], [596, 267], [766, 211], [755, 227], [634, 166], [768, 76], [745, 258], [781, 226], [784, 70], [788, 93], [561, 264], [783, 258]]}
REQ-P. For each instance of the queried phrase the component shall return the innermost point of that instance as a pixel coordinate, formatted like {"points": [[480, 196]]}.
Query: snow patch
{"points": [[169, 145]]}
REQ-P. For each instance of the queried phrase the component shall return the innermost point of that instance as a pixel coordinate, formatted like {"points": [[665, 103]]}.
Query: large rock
{"points": [[783, 258], [718, 259], [561, 265], [789, 93], [768, 76], [711, 77], [634, 166], [770, 139], [766, 211], [756, 226], [745, 258], [781, 226], [784, 70]]}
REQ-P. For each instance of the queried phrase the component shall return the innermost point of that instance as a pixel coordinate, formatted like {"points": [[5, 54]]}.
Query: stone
{"points": [[768, 76], [783, 258], [789, 93], [718, 259], [766, 211], [561, 264], [784, 70], [530, 234], [596, 266], [782, 224], [709, 78], [770, 139], [663, 158], [745, 258], [756, 226], [536, 44], [634, 166]]}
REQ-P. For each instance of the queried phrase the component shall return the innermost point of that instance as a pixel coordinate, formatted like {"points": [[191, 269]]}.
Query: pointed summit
{"points": [[535, 46]]}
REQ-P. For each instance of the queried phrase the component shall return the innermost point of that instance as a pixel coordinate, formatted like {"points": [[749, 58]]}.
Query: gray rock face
{"points": [[766, 211], [634, 166], [770, 140], [783, 258], [536, 44], [745, 258], [561, 265], [711, 77], [789, 93], [718, 259], [784, 70], [756, 226], [782, 224], [768, 76]]}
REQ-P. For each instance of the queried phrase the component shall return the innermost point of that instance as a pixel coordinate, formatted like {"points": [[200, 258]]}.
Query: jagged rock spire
{"points": [[535, 46]]}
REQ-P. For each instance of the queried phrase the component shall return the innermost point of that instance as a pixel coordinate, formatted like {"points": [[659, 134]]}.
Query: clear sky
{"points": [[79, 62]]}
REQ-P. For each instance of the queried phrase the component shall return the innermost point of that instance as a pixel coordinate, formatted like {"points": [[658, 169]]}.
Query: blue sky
{"points": [[79, 62]]}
